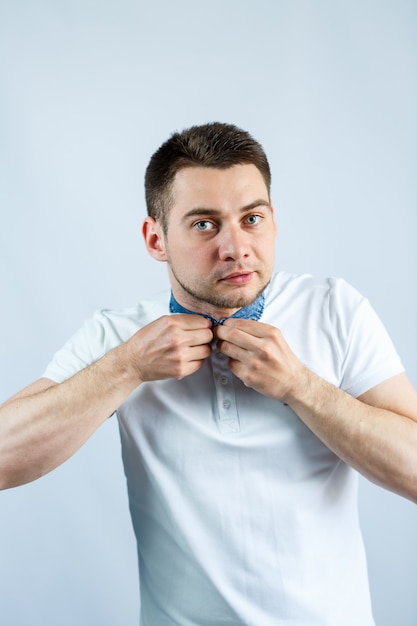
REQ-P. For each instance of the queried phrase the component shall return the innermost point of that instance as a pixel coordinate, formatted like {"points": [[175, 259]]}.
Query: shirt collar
{"points": [[251, 312]]}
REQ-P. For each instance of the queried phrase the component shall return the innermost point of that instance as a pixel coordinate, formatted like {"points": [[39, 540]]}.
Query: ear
{"points": [[154, 239]]}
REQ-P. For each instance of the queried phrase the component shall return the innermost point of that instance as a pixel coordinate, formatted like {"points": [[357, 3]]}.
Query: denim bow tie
{"points": [[251, 312]]}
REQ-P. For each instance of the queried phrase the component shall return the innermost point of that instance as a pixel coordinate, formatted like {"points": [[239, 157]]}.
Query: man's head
{"points": [[210, 218], [214, 145]]}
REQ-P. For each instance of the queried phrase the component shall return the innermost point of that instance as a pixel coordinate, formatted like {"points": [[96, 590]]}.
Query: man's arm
{"points": [[46, 423], [376, 433]]}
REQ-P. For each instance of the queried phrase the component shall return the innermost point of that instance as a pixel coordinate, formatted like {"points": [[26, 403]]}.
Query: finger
{"points": [[184, 330], [199, 352], [251, 327], [234, 352], [188, 321], [237, 337], [192, 367], [200, 337], [192, 361]]}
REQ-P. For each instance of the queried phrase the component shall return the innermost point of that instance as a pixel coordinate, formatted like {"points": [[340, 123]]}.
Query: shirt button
{"points": [[224, 380], [226, 404]]}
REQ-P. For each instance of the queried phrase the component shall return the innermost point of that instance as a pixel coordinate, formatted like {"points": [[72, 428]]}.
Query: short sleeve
{"points": [[86, 346], [105, 330], [366, 351]]}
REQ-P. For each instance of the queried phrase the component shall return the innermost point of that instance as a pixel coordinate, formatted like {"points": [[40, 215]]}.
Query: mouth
{"points": [[238, 278]]}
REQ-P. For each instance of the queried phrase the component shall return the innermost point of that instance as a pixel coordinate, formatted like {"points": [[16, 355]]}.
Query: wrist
{"points": [[301, 391], [124, 366]]}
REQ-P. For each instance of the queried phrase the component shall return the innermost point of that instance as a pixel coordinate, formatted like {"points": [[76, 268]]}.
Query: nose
{"points": [[233, 244]]}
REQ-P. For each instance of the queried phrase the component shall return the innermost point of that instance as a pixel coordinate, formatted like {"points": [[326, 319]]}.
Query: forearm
{"points": [[377, 442], [40, 431]]}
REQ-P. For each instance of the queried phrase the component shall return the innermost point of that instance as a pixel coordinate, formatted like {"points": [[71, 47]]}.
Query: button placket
{"points": [[228, 418]]}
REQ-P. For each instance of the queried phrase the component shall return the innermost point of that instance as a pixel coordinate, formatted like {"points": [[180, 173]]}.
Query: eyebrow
{"points": [[215, 212]]}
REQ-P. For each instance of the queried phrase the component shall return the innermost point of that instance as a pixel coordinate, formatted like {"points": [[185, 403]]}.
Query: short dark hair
{"points": [[216, 145]]}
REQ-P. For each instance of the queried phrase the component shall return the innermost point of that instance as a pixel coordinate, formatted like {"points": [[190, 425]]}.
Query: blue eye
{"points": [[203, 225], [253, 219]]}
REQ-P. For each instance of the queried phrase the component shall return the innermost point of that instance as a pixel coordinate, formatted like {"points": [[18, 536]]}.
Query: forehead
{"points": [[215, 187]]}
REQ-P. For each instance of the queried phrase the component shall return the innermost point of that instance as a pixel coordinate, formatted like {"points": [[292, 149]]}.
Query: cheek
{"points": [[190, 256], [266, 245], [198, 257]]}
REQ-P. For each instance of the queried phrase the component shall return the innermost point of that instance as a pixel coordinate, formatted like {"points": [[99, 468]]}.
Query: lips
{"points": [[238, 278]]}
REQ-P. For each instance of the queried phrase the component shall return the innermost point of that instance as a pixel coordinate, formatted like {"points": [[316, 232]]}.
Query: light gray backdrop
{"points": [[88, 89]]}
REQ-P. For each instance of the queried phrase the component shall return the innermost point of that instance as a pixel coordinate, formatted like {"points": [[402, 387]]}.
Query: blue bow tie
{"points": [[251, 312]]}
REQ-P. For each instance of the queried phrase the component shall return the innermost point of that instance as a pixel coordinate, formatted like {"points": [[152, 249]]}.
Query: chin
{"points": [[233, 301]]}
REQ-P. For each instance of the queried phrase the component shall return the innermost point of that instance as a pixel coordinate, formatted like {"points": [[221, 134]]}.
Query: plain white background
{"points": [[88, 90]]}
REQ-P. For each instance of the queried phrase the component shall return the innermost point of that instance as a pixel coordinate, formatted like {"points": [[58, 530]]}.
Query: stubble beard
{"points": [[205, 293]]}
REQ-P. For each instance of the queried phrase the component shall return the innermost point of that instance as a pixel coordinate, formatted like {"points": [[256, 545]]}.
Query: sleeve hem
{"points": [[360, 386]]}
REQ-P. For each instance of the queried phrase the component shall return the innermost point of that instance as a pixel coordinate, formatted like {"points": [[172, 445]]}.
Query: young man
{"points": [[245, 398]]}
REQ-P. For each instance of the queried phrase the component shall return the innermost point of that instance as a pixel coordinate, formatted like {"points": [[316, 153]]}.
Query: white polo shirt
{"points": [[242, 515]]}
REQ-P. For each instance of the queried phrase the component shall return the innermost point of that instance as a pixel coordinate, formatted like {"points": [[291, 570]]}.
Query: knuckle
{"points": [[233, 334], [171, 322], [178, 371], [182, 370], [268, 347], [173, 342]]}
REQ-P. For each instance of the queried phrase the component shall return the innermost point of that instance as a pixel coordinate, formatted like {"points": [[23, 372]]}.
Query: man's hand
{"points": [[172, 346], [376, 434], [260, 357], [46, 423]]}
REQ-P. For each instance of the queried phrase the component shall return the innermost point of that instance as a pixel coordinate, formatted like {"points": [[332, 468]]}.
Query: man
{"points": [[244, 398]]}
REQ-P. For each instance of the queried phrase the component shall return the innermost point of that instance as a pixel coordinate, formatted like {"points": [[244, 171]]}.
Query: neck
{"points": [[253, 311]]}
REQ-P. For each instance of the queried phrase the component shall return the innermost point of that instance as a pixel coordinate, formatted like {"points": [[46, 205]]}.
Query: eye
{"points": [[253, 219], [204, 225]]}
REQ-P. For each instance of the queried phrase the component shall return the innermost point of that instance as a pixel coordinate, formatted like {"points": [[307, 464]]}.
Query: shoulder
{"points": [[103, 331], [305, 290], [333, 328], [121, 323]]}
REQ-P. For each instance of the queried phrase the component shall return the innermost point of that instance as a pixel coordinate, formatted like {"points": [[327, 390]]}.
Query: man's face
{"points": [[220, 240]]}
